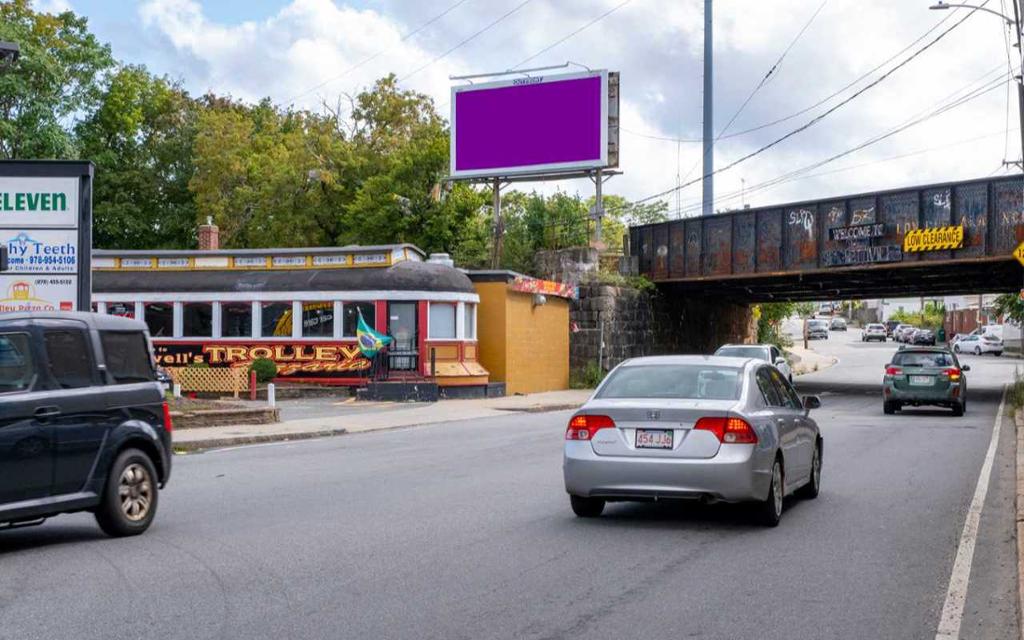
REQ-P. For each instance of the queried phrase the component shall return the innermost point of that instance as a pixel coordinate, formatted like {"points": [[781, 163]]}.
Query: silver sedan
{"points": [[693, 427]]}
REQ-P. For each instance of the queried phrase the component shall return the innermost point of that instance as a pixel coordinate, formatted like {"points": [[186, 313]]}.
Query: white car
{"points": [[873, 331], [767, 352], [979, 344]]}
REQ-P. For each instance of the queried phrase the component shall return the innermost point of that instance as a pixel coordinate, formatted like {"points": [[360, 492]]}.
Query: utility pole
{"points": [[1020, 80], [708, 181]]}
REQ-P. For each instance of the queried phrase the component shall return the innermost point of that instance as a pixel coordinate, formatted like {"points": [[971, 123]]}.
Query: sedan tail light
{"points": [[728, 430], [168, 427], [584, 427], [953, 374]]}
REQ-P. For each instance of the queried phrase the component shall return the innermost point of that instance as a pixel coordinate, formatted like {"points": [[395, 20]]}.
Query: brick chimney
{"points": [[209, 236]]}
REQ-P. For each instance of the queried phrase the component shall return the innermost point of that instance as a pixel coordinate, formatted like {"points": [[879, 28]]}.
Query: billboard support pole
{"points": [[498, 224], [598, 207], [709, 115]]}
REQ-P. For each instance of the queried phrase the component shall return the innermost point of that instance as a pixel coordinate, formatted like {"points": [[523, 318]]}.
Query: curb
{"points": [[1019, 517], [541, 408], [196, 446]]}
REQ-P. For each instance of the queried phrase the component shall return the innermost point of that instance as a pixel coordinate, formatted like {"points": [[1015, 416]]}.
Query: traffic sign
{"points": [[1019, 253]]}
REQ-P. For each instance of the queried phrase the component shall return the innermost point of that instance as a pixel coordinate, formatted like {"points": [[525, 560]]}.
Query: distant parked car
{"points": [[889, 326], [696, 428], [873, 331], [923, 337], [979, 344], [817, 328], [837, 324], [924, 376], [766, 352], [956, 338], [904, 333]]}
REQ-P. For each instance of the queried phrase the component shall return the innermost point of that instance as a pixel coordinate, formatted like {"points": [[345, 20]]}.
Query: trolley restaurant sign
{"points": [[295, 359]]}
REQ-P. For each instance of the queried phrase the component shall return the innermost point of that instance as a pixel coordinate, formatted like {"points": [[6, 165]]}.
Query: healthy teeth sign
{"points": [[45, 224]]}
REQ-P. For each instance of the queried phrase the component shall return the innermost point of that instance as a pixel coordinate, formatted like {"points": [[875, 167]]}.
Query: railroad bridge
{"points": [[962, 236]]}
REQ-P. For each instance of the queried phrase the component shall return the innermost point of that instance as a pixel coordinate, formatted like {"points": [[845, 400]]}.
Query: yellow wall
{"points": [[524, 346], [490, 328]]}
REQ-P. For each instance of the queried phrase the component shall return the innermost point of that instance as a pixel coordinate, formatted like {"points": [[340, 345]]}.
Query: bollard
{"points": [[252, 385], [177, 390], [271, 400], [433, 363]]}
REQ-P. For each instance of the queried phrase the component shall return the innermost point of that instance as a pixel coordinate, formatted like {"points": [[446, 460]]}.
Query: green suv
{"points": [[924, 375]]}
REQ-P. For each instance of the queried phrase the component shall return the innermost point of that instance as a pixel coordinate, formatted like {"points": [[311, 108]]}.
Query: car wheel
{"points": [[586, 507], [889, 407], [958, 409], [977, 351], [997, 353], [813, 486], [130, 496], [956, 348], [769, 510]]}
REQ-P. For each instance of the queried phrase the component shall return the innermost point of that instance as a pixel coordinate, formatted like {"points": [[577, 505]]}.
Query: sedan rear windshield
{"points": [[742, 352], [923, 359], [675, 381], [817, 324], [875, 327]]}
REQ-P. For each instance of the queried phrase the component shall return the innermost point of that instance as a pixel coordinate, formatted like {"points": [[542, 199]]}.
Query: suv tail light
{"points": [[728, 430], [893, 371], [584, 427], [953, 374], [168, 426]]}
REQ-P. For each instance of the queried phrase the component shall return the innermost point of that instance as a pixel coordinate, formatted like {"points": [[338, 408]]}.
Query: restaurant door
{"points": [[402, 327]]}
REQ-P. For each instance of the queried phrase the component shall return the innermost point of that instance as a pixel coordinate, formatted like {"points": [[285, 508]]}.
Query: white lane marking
{"points": [[956, 595]]}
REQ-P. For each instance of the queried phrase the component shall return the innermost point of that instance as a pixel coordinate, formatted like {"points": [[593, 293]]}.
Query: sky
{"points": [[307, 53]]}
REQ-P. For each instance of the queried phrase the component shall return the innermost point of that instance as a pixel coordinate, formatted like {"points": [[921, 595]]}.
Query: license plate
{"points": [[653, 438], [922, 380]]}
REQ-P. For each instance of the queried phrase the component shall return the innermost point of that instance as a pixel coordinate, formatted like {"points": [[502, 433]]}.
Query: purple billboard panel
{"points": [[534, 125]]}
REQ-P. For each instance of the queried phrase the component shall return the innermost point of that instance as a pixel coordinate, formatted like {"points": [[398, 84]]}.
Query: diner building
{"points": [[299, 307]]}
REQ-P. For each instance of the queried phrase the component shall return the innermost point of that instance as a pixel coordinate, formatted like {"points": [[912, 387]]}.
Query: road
{"points": [[462, 530]]}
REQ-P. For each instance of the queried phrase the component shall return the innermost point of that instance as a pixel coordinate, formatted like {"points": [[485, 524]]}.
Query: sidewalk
{"points": [[400, 416], [808, 361]]}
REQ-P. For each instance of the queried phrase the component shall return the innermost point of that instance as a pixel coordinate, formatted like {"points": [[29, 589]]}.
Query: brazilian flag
{"points": [[370, 342]]}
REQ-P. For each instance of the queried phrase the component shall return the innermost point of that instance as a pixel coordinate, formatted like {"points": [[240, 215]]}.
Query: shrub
{"points": [[265, 368], [588, 378]]}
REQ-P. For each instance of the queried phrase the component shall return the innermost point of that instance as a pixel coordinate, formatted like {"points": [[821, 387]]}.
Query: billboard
{"points": [[534, 125], [46, 227]]}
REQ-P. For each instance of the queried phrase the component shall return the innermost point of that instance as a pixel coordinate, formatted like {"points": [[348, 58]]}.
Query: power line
{"points": [[823, 115], [467, 40], [574, 33], [376, 55], [988, 87]]}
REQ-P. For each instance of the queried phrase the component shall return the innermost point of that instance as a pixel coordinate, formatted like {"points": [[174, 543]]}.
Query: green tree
{"points": [[1010, 305], [57, 78], [140, 138]]}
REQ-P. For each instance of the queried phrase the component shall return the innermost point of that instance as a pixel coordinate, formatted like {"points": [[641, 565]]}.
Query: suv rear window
{"points": [[70, 358], [923, 359], [17, 371], [127, 355], [687, 381]]}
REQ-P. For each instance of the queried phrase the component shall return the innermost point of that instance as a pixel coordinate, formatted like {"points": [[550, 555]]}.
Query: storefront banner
{"points": [[545, 287], [41, 250], [38, 202], [293, 359], [38, 293]]}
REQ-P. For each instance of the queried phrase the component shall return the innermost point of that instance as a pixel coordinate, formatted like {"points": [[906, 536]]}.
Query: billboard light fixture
{"points": [[510, 72]]}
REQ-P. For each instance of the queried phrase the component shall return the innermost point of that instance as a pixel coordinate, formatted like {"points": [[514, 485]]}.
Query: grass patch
{"points": [[1016, 394], [587, 378]]}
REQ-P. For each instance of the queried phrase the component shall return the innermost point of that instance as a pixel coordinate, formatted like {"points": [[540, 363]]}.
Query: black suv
{"points": [[83, 422]]}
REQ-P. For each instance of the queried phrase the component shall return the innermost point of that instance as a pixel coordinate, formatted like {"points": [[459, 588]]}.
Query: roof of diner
{"points": [[407, 275], [174, 253]]}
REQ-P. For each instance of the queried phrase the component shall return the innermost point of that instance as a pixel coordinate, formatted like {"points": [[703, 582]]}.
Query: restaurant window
{"points": [[317, 319], [236, 319], [121, 309], [351, 311], [469, 322], [442, 321], [276, 320], [159, 318], [197, 319]]}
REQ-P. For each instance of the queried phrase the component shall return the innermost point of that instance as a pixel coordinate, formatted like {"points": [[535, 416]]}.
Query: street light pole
{"points": [[1015, 24]]}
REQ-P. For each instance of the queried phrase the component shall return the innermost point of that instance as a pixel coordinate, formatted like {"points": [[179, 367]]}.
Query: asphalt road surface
{"points": [[463, 530]]}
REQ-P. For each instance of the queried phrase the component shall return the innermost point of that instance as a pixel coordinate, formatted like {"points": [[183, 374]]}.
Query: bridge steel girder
{"points": [[788, 252]]}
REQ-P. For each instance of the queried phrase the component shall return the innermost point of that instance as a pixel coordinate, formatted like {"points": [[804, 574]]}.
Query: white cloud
{"points": [[657, 46], [52, 6]]}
